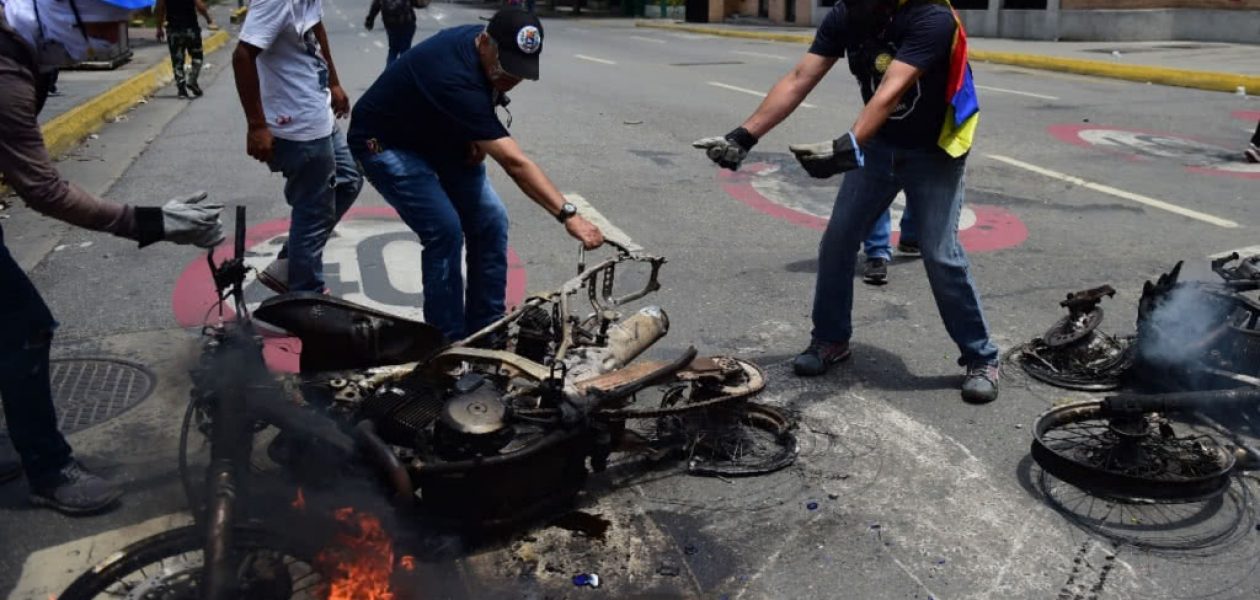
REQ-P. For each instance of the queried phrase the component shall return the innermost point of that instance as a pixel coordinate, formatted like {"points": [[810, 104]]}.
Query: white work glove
{"points": [[183, 220]]}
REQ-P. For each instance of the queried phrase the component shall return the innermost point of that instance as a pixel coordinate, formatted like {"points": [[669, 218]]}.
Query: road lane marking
{"points": [[610, 231], [602, 61], [735, 88], [999, 90], [1106, 189], [761, 54], [647, 39], [378, 43]]}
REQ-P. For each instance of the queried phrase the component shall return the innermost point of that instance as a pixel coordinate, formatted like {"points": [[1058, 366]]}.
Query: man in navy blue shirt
{"points": [[422, 132], [909, 58]]}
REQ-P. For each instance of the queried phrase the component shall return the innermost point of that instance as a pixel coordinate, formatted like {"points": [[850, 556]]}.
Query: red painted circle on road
{"points": [[1195, 155], [194, 298], [993, 228]]}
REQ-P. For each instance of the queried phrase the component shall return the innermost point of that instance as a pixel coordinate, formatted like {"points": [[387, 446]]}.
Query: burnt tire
{"points": [[108, 578]]}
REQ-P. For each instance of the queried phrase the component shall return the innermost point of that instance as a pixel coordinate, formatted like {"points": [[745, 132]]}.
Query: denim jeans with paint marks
{"points": [[933, 184]]}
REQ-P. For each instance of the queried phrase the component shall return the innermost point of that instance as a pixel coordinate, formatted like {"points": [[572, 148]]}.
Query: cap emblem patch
{"points": [[529, 39]]}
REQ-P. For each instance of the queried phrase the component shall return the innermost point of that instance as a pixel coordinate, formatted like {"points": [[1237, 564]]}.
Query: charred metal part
{"points": [[737, 440], [630, 388], [1132, 456], [744, 383], [387, 461], [1176, 402], [1084, 316], [1073, 353], [402, 413]]}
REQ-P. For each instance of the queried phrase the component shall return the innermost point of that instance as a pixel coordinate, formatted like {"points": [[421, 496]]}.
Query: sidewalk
{"points": [[1209, 65]]}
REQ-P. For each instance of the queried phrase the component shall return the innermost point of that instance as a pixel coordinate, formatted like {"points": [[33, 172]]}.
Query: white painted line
{"points": [[1106, 189], [610, 231], [759, 54], [601, 61], [735, 88], [1242, 252], [1016, 92], [378, 43], [647, 39]]}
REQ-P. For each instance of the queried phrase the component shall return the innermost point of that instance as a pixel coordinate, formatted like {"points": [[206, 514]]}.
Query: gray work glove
{"points": [[730, 150], [183, 220], [824, 159]]}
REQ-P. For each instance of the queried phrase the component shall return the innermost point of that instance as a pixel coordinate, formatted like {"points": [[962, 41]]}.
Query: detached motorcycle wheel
{"points": [[1139, 457], [168, 566]]}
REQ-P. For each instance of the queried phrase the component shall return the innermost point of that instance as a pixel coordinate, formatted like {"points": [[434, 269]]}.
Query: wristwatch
{"points": [[566, 210]]}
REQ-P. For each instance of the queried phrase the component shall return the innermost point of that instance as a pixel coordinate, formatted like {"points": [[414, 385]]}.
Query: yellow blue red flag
{"points": [[962, 115]]}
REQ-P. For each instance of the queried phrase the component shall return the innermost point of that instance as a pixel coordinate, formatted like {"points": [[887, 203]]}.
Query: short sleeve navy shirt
{"points": [[921, 34], [433, 100]]}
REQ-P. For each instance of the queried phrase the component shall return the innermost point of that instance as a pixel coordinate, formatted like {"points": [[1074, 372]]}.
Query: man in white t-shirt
{"points": [[291, 95]]}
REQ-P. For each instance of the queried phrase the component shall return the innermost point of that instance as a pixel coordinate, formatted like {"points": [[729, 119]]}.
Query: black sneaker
{"points": [[981, 384], [819, 357], [195, 89], [1252, 154], [76, 491], [183, 92], [875, 271], [909, 248]]}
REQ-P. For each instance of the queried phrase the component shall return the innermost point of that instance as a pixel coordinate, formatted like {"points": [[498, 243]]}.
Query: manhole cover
{"points": [[89, 391]]}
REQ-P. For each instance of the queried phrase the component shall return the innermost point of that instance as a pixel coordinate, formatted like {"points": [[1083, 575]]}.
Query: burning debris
{"points": [[1195, 356], [505, 426], [1191, 335]]}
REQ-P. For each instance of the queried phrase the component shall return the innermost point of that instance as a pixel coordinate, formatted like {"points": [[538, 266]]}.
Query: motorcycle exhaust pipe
{"points": [[631, 336]]}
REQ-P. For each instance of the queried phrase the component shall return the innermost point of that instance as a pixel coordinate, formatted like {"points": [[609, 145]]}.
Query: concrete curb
{"points": [[1203, 80], [66, 130], [238, 14]]}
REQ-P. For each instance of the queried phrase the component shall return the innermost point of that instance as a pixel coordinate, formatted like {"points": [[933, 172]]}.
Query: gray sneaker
{"points": [[981, 384], [76, 491], [276, 276], [819, 357]]}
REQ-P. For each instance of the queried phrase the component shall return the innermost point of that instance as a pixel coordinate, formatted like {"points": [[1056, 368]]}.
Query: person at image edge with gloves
{"points": [[31, 43], [913, 135]]}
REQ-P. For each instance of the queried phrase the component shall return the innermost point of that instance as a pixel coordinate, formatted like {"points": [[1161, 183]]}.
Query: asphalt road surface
{"points": [[1074, 182]]}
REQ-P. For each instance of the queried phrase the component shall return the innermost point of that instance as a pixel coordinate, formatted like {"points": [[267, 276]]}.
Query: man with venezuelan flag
{"points": [[913, 135]]}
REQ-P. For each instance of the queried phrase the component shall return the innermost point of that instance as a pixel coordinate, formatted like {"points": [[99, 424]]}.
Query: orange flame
{"points": [[408, 562], [363, 561], [299, 503]]}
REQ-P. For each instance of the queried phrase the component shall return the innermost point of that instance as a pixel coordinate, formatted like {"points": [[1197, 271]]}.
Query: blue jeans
{"points": [[879, 243], [933, 183], [26, 332], [449, 208], [399, 40], [321, 182]]}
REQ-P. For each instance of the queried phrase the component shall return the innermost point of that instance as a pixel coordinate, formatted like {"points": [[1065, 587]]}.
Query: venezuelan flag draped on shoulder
{"points": [[962, 115]]}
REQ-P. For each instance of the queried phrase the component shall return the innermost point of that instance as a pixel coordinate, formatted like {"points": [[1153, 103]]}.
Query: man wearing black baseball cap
{"points": [[422, 132]]}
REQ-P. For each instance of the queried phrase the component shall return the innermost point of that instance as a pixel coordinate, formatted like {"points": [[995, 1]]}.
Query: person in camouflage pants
{"points": [[183, 36]]}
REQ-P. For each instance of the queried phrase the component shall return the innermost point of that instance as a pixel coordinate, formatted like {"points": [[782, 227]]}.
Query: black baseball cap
{"points": [[519, 35]]}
